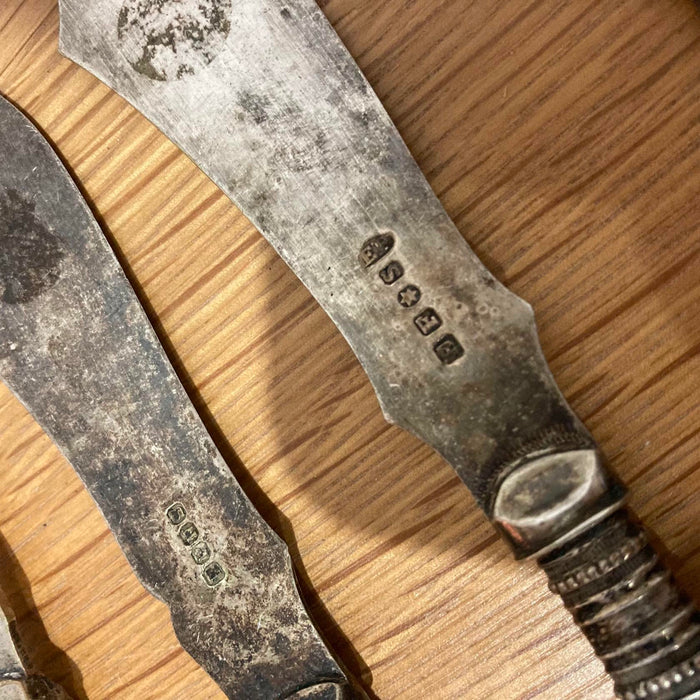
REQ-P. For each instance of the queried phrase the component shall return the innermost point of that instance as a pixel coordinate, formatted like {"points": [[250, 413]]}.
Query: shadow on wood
{"points": [[45, 658]]}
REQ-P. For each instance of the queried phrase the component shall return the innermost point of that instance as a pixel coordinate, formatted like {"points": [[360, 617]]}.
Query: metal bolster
{"points": [[547, 500]]}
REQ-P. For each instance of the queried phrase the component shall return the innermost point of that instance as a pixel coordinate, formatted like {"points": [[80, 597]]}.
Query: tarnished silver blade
{"points": [[78, 351], [264, 97]]}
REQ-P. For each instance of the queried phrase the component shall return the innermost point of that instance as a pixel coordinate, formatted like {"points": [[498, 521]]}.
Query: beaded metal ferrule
{"points": [[643, 628]]}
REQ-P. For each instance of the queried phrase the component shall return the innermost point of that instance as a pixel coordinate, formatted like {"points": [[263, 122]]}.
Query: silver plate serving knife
{"points": [[263, 96], [78, 351]]}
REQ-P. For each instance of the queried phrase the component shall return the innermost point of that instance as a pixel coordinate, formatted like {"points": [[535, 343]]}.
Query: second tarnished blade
{"points": [[77, 349], [264, 97]]}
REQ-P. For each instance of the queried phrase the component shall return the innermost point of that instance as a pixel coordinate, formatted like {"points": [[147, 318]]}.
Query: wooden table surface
{"points": [[562, 137]]}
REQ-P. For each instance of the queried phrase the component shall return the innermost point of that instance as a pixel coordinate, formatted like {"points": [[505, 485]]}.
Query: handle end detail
{"points": [[643, 628]]}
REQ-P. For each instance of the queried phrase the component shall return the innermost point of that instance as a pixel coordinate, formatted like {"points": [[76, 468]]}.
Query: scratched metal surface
{"points": [[263, 96], [562, 139], [80, 354]]}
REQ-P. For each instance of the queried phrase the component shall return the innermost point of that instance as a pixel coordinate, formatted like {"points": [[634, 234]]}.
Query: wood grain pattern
{"points": [[562, 138]]}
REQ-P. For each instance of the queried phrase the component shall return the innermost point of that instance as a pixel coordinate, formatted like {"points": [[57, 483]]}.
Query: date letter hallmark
{"points": [[447, 348], [212, 572]]}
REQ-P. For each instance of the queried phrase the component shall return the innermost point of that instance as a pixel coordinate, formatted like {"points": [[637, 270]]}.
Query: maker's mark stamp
{"points": [[176, 514], [376, 248]]}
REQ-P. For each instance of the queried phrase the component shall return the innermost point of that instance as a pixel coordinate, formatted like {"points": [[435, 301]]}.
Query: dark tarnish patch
{"points": [[164, 40], [255, 105], [30, 254]]}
